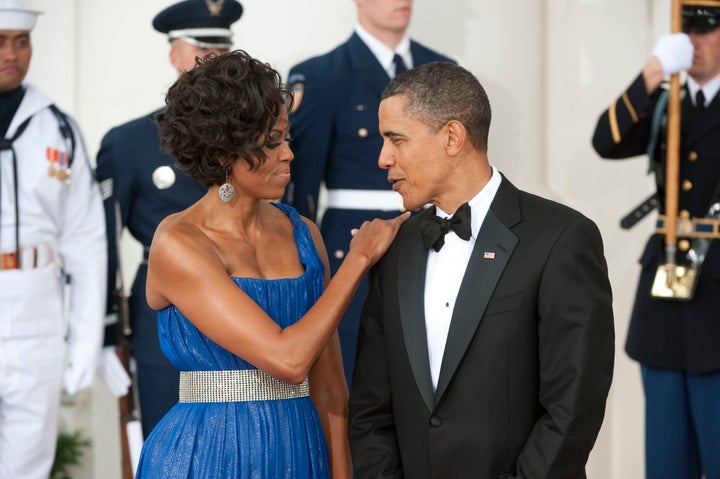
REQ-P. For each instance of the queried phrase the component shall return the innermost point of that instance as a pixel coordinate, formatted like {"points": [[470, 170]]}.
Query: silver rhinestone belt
{"points": [[237, 386]]}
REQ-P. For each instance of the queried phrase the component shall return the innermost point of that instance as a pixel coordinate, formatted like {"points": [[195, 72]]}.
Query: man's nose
{"points": [[385, 159]]}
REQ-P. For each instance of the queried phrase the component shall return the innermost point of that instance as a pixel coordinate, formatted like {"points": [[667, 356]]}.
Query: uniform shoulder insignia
{"points": [[298, 89]]}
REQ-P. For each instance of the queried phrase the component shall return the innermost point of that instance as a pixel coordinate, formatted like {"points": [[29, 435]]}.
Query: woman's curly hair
{"points": [[220, 111]]}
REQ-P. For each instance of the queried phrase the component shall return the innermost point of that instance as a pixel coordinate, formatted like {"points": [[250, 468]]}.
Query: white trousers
{"points": [[30, 384], [32, 352]]}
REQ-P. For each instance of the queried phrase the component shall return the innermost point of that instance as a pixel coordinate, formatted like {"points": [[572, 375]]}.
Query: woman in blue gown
{"points": [[246, 309]]}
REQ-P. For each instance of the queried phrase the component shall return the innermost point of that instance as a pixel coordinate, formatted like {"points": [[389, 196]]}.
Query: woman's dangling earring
{"points": [[226, 190]]}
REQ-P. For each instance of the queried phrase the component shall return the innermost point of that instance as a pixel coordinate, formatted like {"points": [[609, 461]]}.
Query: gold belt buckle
{"points": [[674, 282], [9, 261], [685, 227]]}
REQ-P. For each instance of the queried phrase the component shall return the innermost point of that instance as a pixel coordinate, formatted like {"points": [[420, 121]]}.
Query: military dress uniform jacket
{"points": [[61, 221], [61, 236], [334, 128], [671, 334], [144, 180]]}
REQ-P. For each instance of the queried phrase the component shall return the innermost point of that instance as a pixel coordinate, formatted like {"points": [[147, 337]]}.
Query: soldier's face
{"points": [[706, 60], [183, 54], [15, 53], [384, 15]]}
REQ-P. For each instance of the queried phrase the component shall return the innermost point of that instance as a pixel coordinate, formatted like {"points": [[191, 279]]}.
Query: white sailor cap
{"points": [[14, 16]]}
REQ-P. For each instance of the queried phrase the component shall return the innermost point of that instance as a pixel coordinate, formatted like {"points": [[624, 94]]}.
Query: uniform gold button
{"points": [[687, 185], [362, 132], [683, 245], [693, 155], [339, 254], [684, 214]]}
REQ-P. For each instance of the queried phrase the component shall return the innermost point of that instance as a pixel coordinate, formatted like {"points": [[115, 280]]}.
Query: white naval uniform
{"points": [[66, 222]]}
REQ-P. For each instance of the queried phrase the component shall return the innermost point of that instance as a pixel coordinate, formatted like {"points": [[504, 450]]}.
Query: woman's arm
{"points": [[186, 270], [329, 393]]}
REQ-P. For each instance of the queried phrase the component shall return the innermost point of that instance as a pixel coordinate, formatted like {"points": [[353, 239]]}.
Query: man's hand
{"points": [[81, 367], [675, 52], [112, 372]]}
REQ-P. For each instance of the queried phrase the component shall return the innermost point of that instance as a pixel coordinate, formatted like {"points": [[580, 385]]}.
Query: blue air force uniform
{"points": [[336, 140]]}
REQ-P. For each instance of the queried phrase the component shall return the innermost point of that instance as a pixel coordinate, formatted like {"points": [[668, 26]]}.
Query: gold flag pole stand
{"points": [[671, 280]]}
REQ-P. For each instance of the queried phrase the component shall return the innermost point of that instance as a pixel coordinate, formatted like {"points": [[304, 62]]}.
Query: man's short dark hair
{"points": [[219, 112], [439, 92]]}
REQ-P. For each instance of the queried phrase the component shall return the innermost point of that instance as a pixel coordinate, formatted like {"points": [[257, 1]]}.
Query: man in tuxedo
{"points": [[487, 351], [335, 137]]}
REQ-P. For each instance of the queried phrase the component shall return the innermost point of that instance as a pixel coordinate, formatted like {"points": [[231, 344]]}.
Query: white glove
{"points": [[82, 364], [112, 372], [674, 51]]}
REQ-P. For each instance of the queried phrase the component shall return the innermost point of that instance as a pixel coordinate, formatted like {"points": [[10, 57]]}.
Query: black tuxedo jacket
{"points": [[527, 364]]}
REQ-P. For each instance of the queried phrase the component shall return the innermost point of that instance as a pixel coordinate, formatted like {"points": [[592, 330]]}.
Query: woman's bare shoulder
{"points": [[180, 248]]}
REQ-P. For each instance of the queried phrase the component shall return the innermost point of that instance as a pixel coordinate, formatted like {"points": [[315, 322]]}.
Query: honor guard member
{"points": [[53, 265], [677, 342], [335, 137], [144, 181]]}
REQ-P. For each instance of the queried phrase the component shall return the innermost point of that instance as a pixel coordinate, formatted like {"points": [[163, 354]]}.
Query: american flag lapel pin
{"points": [[489, 255]]}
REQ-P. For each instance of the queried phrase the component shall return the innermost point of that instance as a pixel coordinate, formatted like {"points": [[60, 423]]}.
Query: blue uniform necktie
{"points": [[399, 64], [700, 101]]}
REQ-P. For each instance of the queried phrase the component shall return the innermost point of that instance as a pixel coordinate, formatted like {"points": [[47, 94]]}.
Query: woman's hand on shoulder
{"points": [[374, 237]]}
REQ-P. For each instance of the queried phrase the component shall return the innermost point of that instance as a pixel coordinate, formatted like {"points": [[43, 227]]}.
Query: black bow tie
{"points": [[433, 228]]}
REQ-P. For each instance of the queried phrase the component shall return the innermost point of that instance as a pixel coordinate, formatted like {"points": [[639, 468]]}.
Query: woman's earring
{"points": [[226, 191]]}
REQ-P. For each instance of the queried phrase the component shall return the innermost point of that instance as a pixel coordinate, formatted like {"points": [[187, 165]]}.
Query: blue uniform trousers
{"points": [[682, 424]]}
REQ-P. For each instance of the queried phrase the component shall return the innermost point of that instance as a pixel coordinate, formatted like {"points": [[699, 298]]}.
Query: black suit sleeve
{"points": [[373, 440], [576, 353]]}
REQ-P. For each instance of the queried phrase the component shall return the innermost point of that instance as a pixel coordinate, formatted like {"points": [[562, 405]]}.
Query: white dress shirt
{"points": [[710, 89], [445, 271]]}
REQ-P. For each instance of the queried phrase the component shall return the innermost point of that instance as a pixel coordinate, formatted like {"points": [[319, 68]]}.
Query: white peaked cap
{"points": [[14, 16]]}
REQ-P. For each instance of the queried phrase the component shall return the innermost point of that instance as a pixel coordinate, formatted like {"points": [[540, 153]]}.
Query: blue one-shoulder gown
{"points": [[256, 439]]}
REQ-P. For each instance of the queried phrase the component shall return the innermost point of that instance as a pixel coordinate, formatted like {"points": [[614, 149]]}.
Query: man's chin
{"points": [[7, 84]]}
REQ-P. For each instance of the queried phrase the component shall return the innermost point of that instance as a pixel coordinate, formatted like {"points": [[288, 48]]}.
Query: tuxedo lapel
{"points": [[411, 288], [493, 249]]}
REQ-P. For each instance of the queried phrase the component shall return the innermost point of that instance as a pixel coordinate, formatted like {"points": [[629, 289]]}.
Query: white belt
{"points": [[383, 200], [237, 386], [30, 257]]}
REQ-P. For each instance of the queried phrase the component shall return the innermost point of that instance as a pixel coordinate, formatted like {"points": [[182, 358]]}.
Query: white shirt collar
{"points": [[383, 53], [480, 203], [710, 89]]}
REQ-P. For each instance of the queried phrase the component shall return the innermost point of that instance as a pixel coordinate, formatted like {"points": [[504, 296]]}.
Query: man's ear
{"points": [[456, 137], [174, 60], [176, 55]]}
